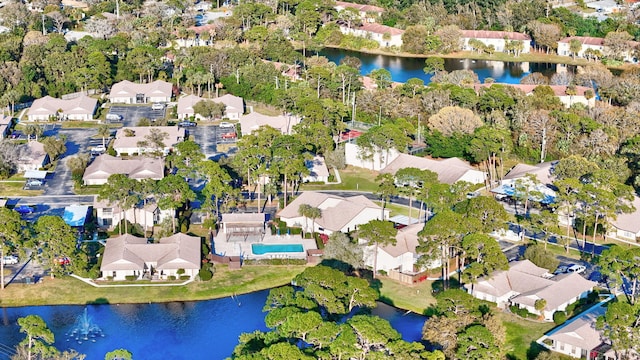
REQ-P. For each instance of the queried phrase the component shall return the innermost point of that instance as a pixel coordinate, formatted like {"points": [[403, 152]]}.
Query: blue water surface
{"points": [[403, 69], [261, 249], [178, 330]]}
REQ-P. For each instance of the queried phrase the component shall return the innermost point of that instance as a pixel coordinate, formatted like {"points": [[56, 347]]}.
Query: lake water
{"points": [[179, 330], [403, 69]]}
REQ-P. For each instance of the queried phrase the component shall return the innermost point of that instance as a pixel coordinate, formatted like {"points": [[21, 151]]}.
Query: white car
{"points": [[576, 269], [99, 148], [225, 124], [34, 182], [10, 260], [157, 106]]}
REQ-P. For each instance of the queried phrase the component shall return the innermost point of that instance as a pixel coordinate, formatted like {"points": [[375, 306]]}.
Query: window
{"points": [[107, 212]]}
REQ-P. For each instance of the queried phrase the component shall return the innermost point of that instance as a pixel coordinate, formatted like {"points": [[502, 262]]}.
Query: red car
{"points": [[230, 135], [64, 261]]}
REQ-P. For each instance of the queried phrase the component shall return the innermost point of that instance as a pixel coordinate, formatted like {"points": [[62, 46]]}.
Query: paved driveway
{"points": [[206, 137], [131, 115], [78, 141]]}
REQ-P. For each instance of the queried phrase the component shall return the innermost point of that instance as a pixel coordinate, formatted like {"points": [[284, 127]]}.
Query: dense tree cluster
{"points": [[323, 316]]}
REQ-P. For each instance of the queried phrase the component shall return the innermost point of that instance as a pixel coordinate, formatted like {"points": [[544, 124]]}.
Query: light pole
{"points": [[1, 268]]}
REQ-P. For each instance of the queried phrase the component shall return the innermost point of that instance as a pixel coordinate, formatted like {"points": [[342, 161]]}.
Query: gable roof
{"points": [[48, 106], [5, 120], [529, 283], [488, 34], [584, 40], [406, 241], [336, 211], [34, 154], [380, 29], [580, 331], [449, 170], [631, 221], [135, 168], [317, 166], [127, 88], [186, 103], [542, 171], [255, 120], [128, 252]]}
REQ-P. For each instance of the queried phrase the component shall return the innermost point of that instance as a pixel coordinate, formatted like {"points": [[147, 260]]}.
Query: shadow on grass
{"points": [[534, 350], [98, 301]]}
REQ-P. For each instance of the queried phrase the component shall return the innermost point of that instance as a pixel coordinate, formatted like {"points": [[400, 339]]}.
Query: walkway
{"points": [[92, 283]]}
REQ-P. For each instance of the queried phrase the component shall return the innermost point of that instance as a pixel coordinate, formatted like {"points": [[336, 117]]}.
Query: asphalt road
{"points": [[209, 137]]}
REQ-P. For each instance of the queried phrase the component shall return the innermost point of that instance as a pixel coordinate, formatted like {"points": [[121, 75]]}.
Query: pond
{"points": [[403, 69], [178, 330]]}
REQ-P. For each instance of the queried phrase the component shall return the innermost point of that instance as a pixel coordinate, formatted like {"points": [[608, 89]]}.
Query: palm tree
{"points": [[314, 213], [303, 210], [104, 132]]}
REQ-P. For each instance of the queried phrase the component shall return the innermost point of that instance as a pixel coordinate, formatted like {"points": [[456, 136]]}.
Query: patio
{"points": [[222, 245]]}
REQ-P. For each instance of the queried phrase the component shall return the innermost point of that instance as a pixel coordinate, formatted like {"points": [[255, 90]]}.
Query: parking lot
{"points": [[209, 137], [131, 115]]}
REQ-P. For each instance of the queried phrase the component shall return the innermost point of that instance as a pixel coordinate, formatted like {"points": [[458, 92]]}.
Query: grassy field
{"points": [[416, 298], [521, 336], [352, 179], [15, 189], [224, 283]]}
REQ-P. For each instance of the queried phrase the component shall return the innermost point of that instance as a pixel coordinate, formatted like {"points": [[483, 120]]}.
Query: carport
{"points": [[75, 215], [35, 174]]}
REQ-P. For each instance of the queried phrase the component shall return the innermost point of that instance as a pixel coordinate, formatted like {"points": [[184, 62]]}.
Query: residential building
{"points": [[253, 121], [497, 39], [594, 47], [582, 94], [384, 35], [78, 108], [234, 106], [449, 170], [5, 125], [135, 140], [525, 283], [338, 213], [318, 171], [146, 214], [138, 168], [579, 338], [627, 226], [399, 259], [368, 13], [32, 156], [291, 72], [127, 255], [127, 92]]}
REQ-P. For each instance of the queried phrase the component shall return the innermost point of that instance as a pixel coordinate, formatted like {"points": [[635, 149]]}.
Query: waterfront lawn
{"points": [[417, 298], [522, 335], [225, 282]]}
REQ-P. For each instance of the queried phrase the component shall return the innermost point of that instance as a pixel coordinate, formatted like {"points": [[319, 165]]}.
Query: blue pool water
{"points": [[261, 249], [178, 330]]}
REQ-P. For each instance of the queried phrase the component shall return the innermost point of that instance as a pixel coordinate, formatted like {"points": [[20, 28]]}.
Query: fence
{"points": [[406, 278]]}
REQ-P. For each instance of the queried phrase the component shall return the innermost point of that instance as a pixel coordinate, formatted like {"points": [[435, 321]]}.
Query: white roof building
{"points": [[337, 213], [234, 106], [449, 170], [79, 108], [127, 255], [139, 168], [128, 92], [318, 171], [33, 156], [134, 144], [255, 120]]}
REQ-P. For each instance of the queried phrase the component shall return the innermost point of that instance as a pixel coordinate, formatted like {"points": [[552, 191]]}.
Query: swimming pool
{"points": [[261, 249]]}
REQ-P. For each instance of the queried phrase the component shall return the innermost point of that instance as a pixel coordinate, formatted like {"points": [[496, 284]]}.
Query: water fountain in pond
{"points": [[84, 329]]}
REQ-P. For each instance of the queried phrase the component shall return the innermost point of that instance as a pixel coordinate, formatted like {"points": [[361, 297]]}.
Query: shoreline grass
{"points": [[225, 283]]}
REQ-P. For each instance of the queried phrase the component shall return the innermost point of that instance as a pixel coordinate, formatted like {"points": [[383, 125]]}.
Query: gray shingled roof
{"points": [[135, 168], [449, 170]]}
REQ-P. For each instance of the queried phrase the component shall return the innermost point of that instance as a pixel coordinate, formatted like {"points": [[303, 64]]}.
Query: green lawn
{"points": [[15, 189], [352, 179], [416, 298], [225, 283], [87, 189], [521, 336]]}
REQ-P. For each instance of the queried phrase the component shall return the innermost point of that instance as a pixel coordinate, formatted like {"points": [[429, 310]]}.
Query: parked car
{"points": [[16, 134], [10, 260], [99, 148], [64, 261], [230, 135], [576, 269], [186, 124], [157, 106], [34, 182], [114, 117], [226, 124]]}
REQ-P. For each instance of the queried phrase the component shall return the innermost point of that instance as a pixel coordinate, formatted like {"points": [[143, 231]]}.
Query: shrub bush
{"points": [[171, 277], [180, 271], [185, 277], [205, 274], [559, 317], [523, 313], [130, 277]]}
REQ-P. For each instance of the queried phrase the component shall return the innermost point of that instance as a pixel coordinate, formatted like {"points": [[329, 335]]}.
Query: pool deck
{"points": [[240, 247]]}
